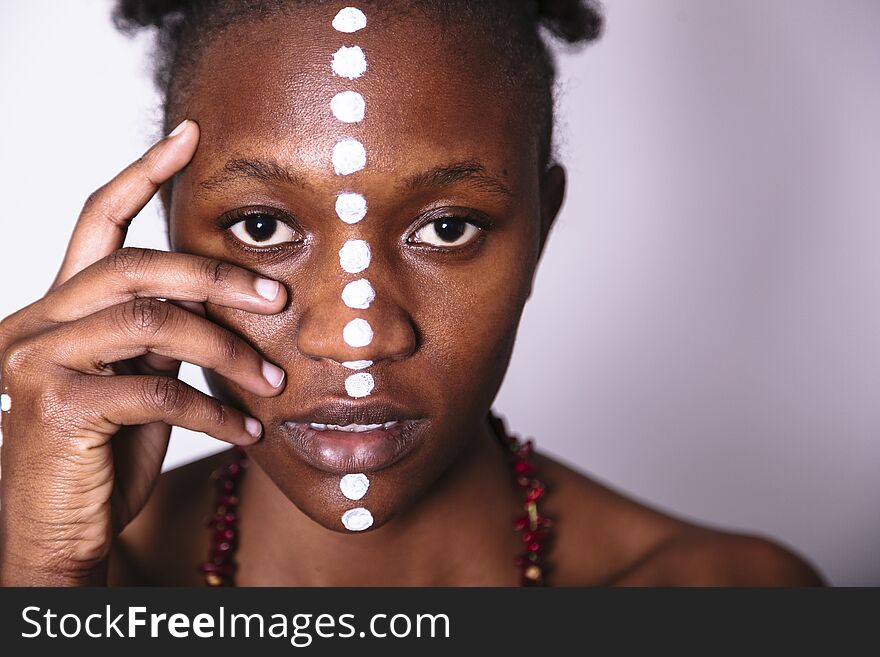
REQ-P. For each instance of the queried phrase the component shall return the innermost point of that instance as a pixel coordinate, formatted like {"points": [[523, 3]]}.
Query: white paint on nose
{"points": [[354, 256], [357, 333]]}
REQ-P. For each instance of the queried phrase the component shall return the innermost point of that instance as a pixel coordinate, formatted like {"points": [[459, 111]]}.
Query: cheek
{"points": [[470, 315]]}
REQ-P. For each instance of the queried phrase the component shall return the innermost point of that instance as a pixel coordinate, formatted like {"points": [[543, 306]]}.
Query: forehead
{"points": [[432, 93]]}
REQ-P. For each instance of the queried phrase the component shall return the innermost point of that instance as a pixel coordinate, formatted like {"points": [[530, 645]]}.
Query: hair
{"points": [[521, 30]]}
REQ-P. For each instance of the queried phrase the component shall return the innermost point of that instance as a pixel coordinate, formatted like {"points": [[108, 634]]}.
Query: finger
{"points": [[158, 364], [131, 273], [135, 400], [104, 220], [144, 326]]}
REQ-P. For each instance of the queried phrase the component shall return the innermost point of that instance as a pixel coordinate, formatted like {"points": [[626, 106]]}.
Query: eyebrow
{"points": [[265, 170], [271, 171], [467, 171]]}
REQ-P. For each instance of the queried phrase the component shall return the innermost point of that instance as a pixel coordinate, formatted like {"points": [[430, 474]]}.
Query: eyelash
{"points": [[483, 224], [228, 220]]}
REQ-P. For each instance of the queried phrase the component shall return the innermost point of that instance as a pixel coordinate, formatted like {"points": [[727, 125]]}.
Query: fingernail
{"points": [[274, 375], [253, 427], [180, 128], [267, 288]]}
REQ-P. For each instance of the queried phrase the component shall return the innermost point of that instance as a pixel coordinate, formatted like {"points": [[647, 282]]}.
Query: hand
{"points": [[91, 373]]}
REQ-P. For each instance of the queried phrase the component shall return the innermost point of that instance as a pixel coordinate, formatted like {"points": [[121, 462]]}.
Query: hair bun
{"points": [[573, 21], [131, 15]]}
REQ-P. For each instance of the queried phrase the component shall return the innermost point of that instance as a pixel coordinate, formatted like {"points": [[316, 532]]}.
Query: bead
{"points": [[532, 573], [212, 579]]}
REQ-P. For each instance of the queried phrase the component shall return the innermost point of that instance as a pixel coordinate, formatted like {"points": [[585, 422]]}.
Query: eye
{"points": [[261, 229], [446, 232]]}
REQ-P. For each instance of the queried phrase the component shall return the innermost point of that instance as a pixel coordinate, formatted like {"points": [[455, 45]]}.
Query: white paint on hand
{"points": [[359, 385], [351, 208], [354, 486], [357, 364], [357, 520], [358, 294], [349, 62], [357, 333], [349, 156], [348, 106], [349, 20], [354, 256]]}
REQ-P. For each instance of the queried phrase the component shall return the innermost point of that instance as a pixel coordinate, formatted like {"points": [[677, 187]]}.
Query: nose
{"points": [[331, 330]]}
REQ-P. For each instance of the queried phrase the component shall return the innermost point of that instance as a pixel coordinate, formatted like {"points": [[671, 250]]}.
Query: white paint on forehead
{"points": [[349, 156], [5, 402], [359, 385], [354, 256], [357, 364], [349, 62], [348, 106], [354, 486], [357, 333], [358, 294], [357, 520], [350, 19], [350, 207]]}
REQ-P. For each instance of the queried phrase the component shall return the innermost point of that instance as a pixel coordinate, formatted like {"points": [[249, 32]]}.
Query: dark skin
{"points": [[445, 136]]}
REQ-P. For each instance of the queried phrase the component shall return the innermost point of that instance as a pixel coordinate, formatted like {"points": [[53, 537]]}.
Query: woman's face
{"points": [[455, 223]]}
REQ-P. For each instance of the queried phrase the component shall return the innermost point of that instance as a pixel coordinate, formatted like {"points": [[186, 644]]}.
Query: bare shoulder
{"points": [[606, 537], [165, 543]]}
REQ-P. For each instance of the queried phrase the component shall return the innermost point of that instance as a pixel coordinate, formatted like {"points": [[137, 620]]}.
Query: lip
{"points": [[345, 452]]}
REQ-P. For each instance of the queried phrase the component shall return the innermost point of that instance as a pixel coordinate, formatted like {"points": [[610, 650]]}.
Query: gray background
{"points": [[706, 321]]}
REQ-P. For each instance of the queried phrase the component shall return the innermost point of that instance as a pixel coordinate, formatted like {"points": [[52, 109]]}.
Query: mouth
{"points": [[342, 437]]}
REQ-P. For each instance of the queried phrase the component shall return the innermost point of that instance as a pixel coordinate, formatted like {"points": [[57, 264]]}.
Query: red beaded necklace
{"points": [[220, 567]]}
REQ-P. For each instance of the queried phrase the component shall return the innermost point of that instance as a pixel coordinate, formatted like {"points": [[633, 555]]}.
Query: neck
{"points": [[444, 540]]}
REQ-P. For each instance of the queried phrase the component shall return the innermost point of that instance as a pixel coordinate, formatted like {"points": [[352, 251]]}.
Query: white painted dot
{"points": [[348, 106], [357, 520], [354, 256], [359, 385], [358, 294], [351, 208], [357, 364], [349, 20], [349, 156], [354, 486], [357, 333], [5, 402], [349, 62]]}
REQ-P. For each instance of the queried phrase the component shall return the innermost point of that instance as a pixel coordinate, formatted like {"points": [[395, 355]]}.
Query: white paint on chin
{"points": [[351, 208], [349, 20], [357, 333], [357, 520], [359, 385], [354, 256], [354, 486], [358, 294], [349, 62], [348, 106]]}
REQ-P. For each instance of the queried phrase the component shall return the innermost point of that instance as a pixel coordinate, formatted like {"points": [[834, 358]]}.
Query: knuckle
{"points": [[129, 261], [220, 415], [96, 202], [229, 346], [216, 271], [17, 358], [145, 315], [168, 395]]}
